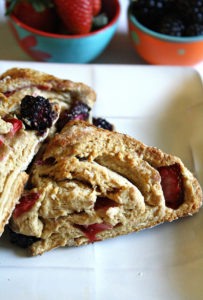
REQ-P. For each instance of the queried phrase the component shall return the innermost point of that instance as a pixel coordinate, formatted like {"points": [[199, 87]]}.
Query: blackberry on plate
{"points": [[171, 25], [102, 123], [194, 30], [21, 240], [36, 113], [78, 111]]}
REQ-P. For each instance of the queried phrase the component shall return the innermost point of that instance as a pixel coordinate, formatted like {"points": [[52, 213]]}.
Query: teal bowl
{"points": [[50, 47]]}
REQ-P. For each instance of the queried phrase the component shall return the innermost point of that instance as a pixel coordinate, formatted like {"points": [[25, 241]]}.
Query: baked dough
{"points": [[18, 142], [91, 184]]}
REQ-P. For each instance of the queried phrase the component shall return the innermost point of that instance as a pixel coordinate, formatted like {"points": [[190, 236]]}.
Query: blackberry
{"points": [[36, 113], [148, 12], [190, 10], [102, 123], [78, 111], [183, 10], [21, 240], [196, 11], [194, 30], [171, 25]]}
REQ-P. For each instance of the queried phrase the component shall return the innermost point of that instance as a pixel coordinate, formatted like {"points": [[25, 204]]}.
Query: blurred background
{"points": [[118, 51]]}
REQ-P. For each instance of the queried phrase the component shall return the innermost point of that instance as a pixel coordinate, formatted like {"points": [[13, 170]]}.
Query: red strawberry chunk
{"points": [[17, 125], [104, 203], [49, 161], [172, 185], [40, 87], [91, 230], [26, 203], [79, 117], [1, 140], [8, 94]]}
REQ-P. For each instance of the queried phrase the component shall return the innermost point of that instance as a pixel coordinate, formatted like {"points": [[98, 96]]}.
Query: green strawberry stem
{"points": [[99, 21], [11, 6], [38, 5]]}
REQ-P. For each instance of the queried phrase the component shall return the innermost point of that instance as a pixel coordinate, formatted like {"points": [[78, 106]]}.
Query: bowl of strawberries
{"points": [[63, 30]]}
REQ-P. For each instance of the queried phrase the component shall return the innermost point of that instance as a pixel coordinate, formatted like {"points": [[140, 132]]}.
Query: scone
{"points": [[91, 184], [33, 105]]}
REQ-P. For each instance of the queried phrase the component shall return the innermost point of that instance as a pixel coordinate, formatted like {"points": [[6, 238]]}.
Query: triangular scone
{"points": [[92, 184], [31, 104]]}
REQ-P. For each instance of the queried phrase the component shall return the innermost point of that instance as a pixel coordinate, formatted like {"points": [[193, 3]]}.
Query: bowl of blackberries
{"points": [[63, 30], [167, 32]]}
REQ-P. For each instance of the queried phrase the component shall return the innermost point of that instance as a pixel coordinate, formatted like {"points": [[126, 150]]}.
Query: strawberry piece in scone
{"points": [[172, 185]]}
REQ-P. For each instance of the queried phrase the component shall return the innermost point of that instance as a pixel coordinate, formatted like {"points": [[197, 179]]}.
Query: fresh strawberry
{"points": [[171, 182], [17, 125], [26, 203], [34, 13], [76, 15], [96, 7]]}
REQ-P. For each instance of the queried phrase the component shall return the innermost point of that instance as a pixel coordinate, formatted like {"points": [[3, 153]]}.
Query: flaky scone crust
{"points": [[17, 77]]}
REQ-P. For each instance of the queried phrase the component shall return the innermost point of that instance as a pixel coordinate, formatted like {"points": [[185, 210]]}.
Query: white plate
{"points": [[162, 106]]}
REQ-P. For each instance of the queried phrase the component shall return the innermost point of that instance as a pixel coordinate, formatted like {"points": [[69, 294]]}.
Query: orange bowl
{"points": [[161, 49]]}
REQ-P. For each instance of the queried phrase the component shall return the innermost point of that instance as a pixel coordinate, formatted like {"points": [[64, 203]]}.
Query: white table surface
{"points": [[119, 51]]}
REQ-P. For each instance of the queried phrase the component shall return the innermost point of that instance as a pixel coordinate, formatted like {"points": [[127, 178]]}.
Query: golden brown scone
{"points": [[16, 83], [92, 184], [33, 105]]}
